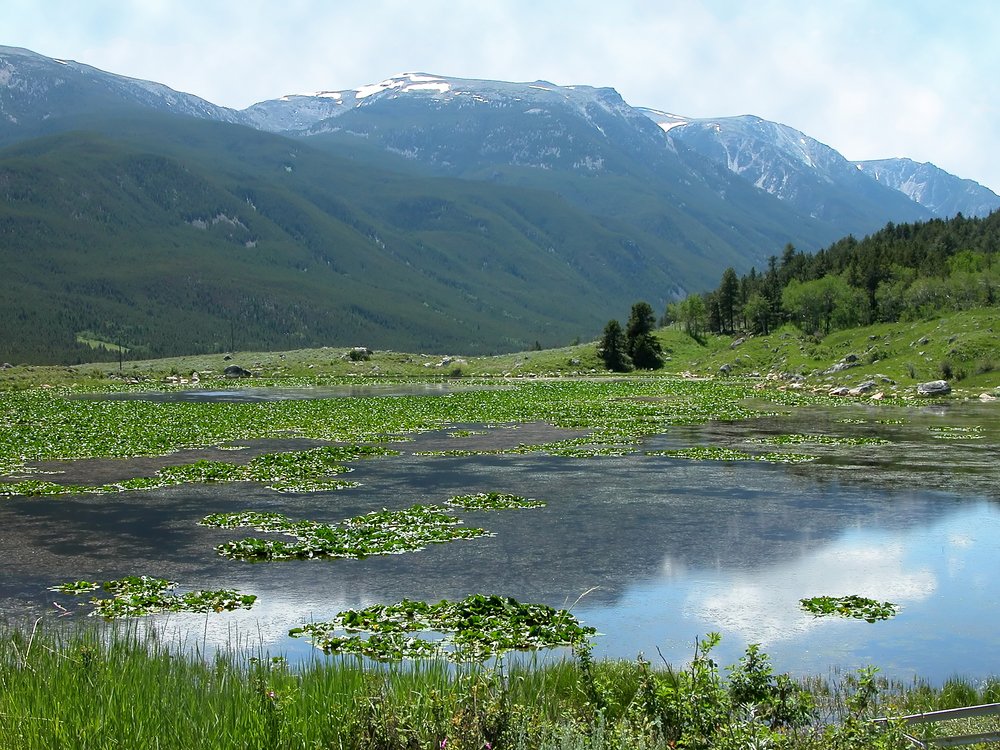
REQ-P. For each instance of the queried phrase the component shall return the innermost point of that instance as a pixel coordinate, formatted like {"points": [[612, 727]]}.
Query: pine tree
{"points": [[613, 348], [641, 345]]}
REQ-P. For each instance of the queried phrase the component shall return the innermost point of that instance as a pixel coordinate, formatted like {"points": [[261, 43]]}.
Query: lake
{"points": [[654, 551]]}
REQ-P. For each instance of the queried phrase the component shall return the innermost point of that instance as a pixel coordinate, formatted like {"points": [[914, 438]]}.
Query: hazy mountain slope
{"points": [[942, 193], [584, 143], [167, 234]]}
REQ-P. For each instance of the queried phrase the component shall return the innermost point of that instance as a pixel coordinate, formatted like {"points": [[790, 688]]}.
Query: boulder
{"points": [[840, 367], [840, 391], [725, 370], [934, 388], [235, 371], [987, 397]]}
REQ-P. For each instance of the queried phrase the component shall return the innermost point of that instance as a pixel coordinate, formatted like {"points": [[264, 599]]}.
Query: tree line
{"points": [[902, 272]]}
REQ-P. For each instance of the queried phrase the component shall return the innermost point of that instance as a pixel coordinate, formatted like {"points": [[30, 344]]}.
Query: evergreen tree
{"points": [[641, 345], [728, 299], [613, 348]]}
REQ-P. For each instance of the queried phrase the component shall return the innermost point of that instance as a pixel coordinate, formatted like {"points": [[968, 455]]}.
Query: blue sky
{"points": [[871, 79]]}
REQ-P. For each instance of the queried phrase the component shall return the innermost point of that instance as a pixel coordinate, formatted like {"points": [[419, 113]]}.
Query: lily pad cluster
{"points": [[473, 629], [957, 433], [719, 453], [290, 471], [384, 532], [492, 501], [853, 606], [136, 596], [798, 439]]}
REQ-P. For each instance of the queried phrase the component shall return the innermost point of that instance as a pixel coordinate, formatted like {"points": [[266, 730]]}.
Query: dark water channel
{"points": [[661, 550]]}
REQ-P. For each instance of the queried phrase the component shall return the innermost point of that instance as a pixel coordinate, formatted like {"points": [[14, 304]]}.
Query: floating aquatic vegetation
{"points": [[853, 606], [312, 485], [466, 433], [798, 439], [473, 629], [384, 532], [290, 471], [136, 596], [957, 433], [45, 424], [492, 501], [718, 453]]}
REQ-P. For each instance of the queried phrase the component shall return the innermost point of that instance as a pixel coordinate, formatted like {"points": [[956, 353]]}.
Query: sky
{"points": [[871, 78]]}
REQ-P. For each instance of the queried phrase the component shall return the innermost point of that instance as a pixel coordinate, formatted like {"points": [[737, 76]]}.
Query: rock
{"points": [[850, 358], [840, 391], [736, 343], [840, 367], [933, 388], [878, 396], [924, 341], [575, 362], [6, 366], [987, 397], [862, 389], [228, 357], [235, 371], [725, 370]]}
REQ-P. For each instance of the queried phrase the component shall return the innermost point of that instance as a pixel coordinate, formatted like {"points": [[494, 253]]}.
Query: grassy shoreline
{"points": [[71, 687]]}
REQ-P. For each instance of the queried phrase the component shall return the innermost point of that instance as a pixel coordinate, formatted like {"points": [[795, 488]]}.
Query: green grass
{"points": [[79, 688], [962, 348]]}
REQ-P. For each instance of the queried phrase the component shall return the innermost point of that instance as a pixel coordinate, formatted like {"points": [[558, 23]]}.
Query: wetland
{"points": [[655, 510]]}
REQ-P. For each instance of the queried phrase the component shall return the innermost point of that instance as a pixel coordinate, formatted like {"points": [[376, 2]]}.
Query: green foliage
{"points": [[492, 501], [291, 471], [613, 348], [136, 596], [851, 606], [902, 273], [642, 347], [385, 532], [473, 629], [69, 687]]}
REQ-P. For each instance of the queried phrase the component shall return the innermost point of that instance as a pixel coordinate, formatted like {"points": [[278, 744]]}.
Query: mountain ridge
{"points": [[426, 211]]}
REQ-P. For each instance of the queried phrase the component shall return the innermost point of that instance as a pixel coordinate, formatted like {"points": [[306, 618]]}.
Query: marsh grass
{"points": [[90, 688]]}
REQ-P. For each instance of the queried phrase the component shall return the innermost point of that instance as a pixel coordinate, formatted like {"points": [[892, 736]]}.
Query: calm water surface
{"points": [[654, 552]]}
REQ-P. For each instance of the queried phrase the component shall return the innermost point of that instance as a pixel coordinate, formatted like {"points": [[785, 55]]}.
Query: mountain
{"points": [[584, 143], [793, 167], [169, 234], [41, 95], [932, 187], [422, 212]]}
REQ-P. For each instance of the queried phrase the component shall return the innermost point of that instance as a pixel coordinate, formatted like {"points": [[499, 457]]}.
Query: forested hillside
{"points": [[902, 272]]}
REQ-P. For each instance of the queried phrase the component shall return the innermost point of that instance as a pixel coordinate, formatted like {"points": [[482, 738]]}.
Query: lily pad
{"points": [[853, 606], [473, 629]]}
